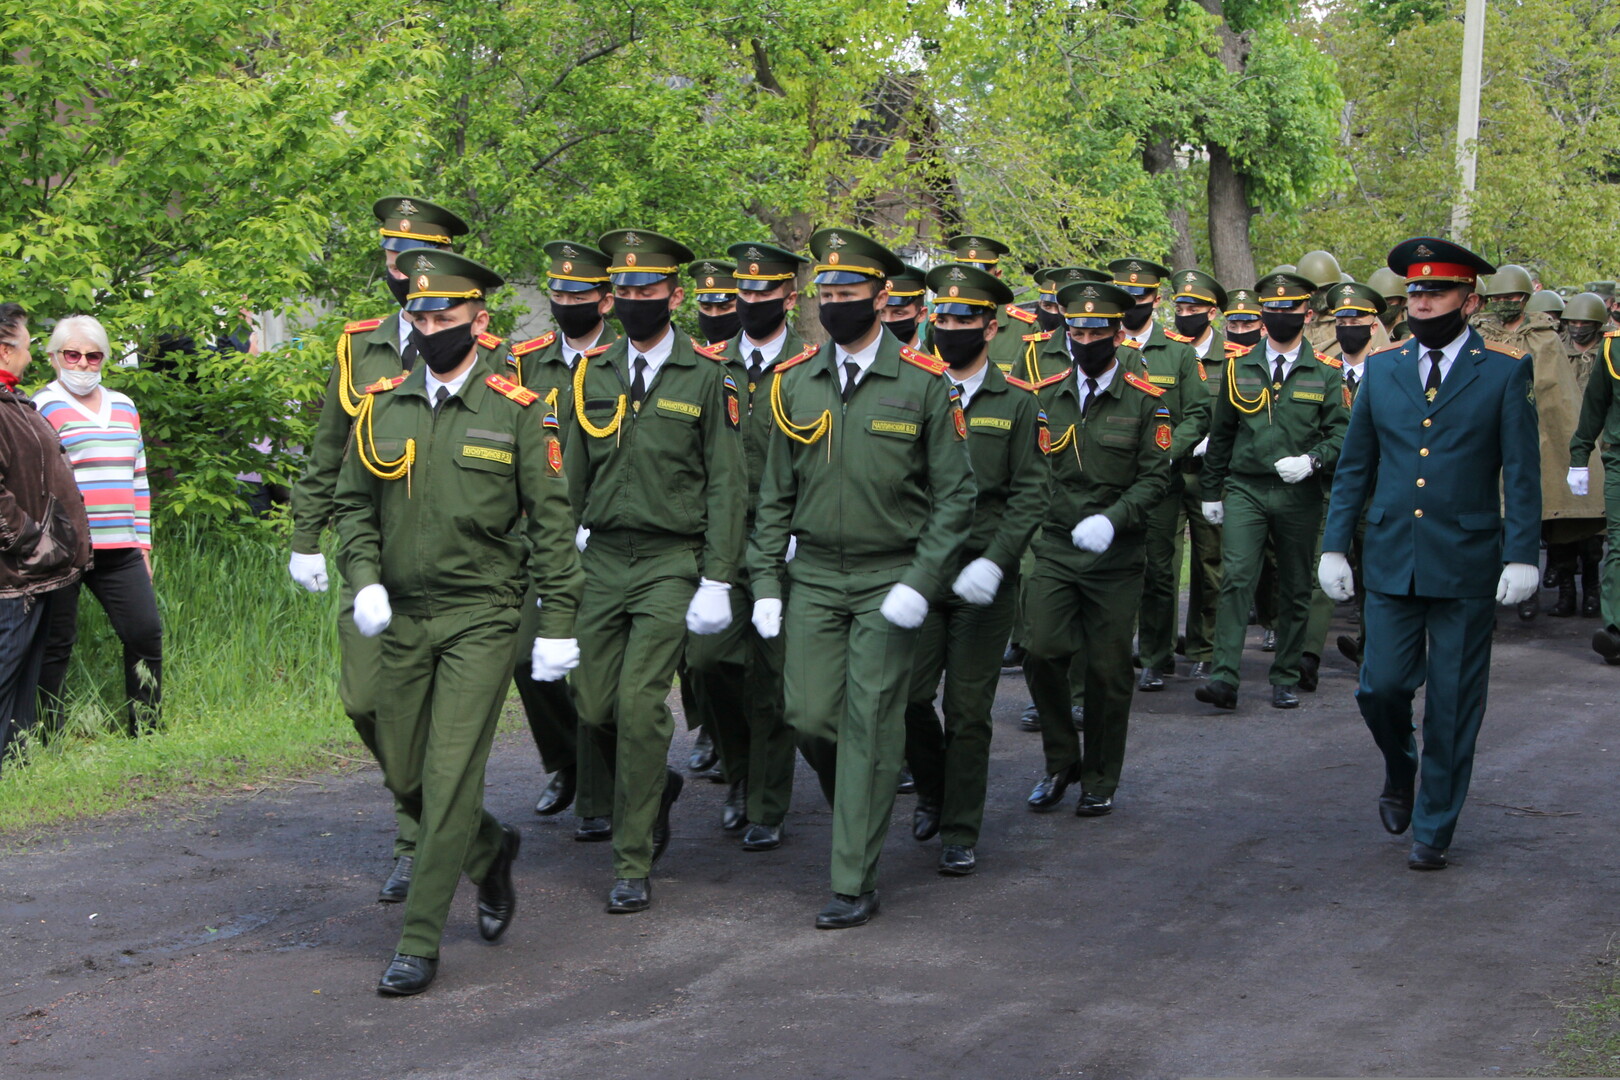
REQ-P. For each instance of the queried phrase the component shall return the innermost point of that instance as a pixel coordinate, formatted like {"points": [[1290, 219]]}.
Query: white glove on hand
{"points": [[710, 609], [793, 548], [310, 570], [552, 658], [582, 536], [1517, 584], [372, 614], [1094, 533], [905, 607], [978, 582], [1577, 480], [1334, 575], [1214, 512], [1293, 469], [768, 617], [1202, 448]]}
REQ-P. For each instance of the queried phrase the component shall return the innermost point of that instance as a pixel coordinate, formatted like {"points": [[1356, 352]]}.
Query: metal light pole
{"points": [[1473, 58]]}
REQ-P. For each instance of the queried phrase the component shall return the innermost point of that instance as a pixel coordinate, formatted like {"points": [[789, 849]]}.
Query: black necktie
{"points": [[1277, 371], [961, 394], [851, 370], [407, 355], [1431, 385], [756, 366], [441, 397], [638, 385], [1091, 392], [1350, 380]]}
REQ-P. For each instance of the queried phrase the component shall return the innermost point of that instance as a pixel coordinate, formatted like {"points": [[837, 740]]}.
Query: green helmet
{"points": [[1545, 300], [1389, 284], [1346, 279], [1282, 268], [1320, 267], [1586, 307], [1508, 279]]}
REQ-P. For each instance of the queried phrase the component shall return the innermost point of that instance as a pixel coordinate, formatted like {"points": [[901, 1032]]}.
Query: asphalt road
{"points": [[1241, 914]]}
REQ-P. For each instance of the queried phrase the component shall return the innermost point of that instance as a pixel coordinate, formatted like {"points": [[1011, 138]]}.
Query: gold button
{"points": [[1423, 452], [1417, 513], [1420, 481], [1428, 423]]}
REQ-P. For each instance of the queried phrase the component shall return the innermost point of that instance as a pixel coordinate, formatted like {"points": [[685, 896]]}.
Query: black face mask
{"points": [[443, 351], [848, 320], [1137, 317], [1049, 320], [959, 347], [1246, 338], [904, 329], [1283, 326], [719, 327], [1192, 326], [1391, 313], [1092, 357], [1439, 331], [398, 286], [643, 320], [1582, 332], [575, 320], [761, 319], [1353, 339]]}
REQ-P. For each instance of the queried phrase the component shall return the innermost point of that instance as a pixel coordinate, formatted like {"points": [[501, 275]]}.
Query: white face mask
{"points": [[79, 383]]}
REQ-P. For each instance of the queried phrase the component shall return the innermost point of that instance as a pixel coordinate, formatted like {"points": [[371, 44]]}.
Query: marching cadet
{"points": [[1600, 417], [1277, 428], [368, 350], [1106, 436], [952, 765], [1244, 331], [1173, 367], [449, 462], [1321, 269], [870, 475], [659, 484], [580, 303], [985, 254], [1243, 327], [737, 671], [716, 291], [906, 314]]}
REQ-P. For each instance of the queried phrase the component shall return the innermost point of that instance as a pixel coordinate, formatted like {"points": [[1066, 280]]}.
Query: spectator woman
{"points": [[101, 433]]}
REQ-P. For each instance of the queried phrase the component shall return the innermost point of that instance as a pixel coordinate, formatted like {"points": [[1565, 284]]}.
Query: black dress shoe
{"points": [[763, 837], [1283, 697], [407, 975], [1049, 792], [1094, 805], [1395, 809], [1030, 720], [1350, 649], [704, 755], [1606, 643], [1149, 680], [1310, 670], [559, 794], [629, 895], [672, 791], [714, 774], [497, 899], [1591, 604], [398, 885], [1220, 694], [958, 861], [1199, 670], [734, 814], [1565, 606], [925, 821], [1268, 641], [1529, 609], [847, 911], [593, 830], [1013, 658], [1424, 857], [907, 784]]}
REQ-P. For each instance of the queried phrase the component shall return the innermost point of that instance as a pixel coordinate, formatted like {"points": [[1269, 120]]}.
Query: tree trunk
{"points": [[1229, 214], [1159, 159]]}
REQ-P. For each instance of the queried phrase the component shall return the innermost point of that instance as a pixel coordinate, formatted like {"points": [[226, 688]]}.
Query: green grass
{"points": [[1588, 1043]]}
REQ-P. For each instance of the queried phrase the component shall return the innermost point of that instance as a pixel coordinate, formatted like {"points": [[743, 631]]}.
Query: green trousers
{"points": [[1020, 631], [1321, 618], [632, 628], [846, 675], [1204, 573], [359, 674], [1156, 617], [1611, 553], [736, 678], [1260, 509], [1083, 610], [951, 764], [446, 677], [554, 722]]}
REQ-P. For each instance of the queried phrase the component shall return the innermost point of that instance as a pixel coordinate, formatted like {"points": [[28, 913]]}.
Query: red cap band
{"points": [[1440, 271]]}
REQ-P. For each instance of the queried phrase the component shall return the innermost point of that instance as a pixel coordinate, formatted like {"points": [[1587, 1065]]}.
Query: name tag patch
{"points": [[1301, 395], [487, 454], [895, 427], [1162, 380], [990, 422], [685, 408]]}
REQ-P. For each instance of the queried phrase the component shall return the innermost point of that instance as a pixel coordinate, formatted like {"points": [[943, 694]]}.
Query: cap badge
{"points": [[1133, 265], [422, 263], [422, 283], [973, 253], [753, 268], [568, 267], [708, 282], [1133, 279], [632, 239], [407, 208], [630, 259], [832, 258], [1090, 306], [956, 274], [955, 290], [752, 253], [835, 241], [1422, 251], [1281, 290], [1088, 291], [1190, 279], [1427, 269], [568, 251], [404, 224]]}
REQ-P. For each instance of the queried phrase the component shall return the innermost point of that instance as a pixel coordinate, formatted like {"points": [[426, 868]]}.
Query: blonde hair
{"points": [[85, 326]]}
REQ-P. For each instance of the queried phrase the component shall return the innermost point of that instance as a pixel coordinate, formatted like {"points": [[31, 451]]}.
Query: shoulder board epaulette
{"points": [[1612, 333], [1050, 379], [488, 340], [1329, 361], [534, 344], [713, 352], [597, 351], [922, 360], [1501, 348], [1019, 313], [1173, 336], [809, 351], [382, 386], [1243, 350], [1039, 335], [1013, 380], [509, 389], [1391, 347], [1234, 349], [362, 326], [1143, 385]]}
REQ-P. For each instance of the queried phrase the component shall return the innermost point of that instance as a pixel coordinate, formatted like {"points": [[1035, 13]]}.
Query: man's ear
{"points": [[676, 296], [992, 328], [480, 322]]}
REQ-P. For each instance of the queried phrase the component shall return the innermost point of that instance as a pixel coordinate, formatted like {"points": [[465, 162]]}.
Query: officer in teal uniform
{"points": [[1444, 455]]}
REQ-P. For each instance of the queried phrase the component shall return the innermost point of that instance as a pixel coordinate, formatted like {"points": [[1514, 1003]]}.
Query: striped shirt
{"points": [[108, 457]]}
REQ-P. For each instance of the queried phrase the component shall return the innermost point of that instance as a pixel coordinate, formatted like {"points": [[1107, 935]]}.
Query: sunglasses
{"points": [[74, 356]]}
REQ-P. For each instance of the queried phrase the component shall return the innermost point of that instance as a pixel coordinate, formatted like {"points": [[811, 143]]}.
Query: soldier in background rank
{"points": [[906, 314], [870, 474], [1600, 417], [1389, 285], [952, 764], [658, 483], [580, 302], [448, 464], [716, 291], [1275, 433], [368, 351], [1243, 332], [986, 254], [1322, 270]]}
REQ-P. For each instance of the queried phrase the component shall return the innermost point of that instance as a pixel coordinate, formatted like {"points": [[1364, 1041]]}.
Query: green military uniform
{"points": [[738, 672], [1111, 457], [1259, 420], [660, 486], [878, 492], [958, 639], [1600, 420], [1012, 321], [906, 288], [429, 506], [369, 350]]}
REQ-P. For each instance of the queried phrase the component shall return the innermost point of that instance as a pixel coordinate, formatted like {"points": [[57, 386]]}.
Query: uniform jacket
{"points": [[1600, 415], [1008, 470], [1173, 367], [1255, 425], [44, 533], [757, 423], [538, 364]]}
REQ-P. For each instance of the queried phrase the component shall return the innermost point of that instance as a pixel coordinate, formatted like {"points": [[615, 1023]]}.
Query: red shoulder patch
{"points": [[1050, 379], [1329, 361], [809, 351], [1019, 313], [1173, 336], [598, 351], [1039, 335], [509, 389], [488, 340], [713, 352], [922, 360], [1233, 352], [1013, 380], [534, 344], [382, 386], [1143, 385], [362, 326]]}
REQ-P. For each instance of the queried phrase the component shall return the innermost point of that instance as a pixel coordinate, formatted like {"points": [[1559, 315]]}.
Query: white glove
{"points": [[793, 548], [582, 536], [768, 617], [552, 658], [1293, 469], [1334, 575], [310, 570], [710, 609], [1214, 512], [1517, 584], [1577, 480], [978, 582], [372, 613], [905, 606], [1094, 533], [1202, 448]]}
